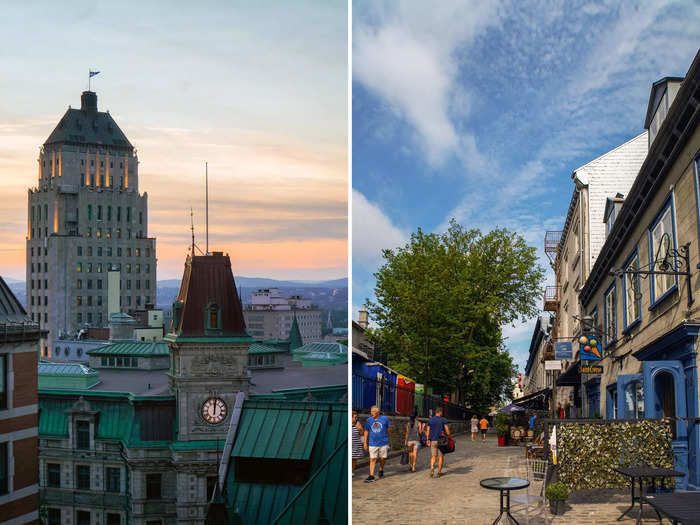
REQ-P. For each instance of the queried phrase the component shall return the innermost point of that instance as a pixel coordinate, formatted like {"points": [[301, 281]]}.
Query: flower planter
{"points": [[556, 507], [501, 441]]}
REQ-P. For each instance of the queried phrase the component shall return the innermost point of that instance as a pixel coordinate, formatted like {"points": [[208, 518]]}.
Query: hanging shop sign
{"points": [[591, 369], [563, 350], [590, 349], [552, 365]]}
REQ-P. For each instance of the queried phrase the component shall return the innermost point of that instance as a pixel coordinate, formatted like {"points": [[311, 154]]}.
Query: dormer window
{"points": [[212, 317], [663, 92], [612, 209]]}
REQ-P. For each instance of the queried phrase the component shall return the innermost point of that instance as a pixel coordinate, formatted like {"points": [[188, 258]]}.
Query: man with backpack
{"points": [[437, 426]]}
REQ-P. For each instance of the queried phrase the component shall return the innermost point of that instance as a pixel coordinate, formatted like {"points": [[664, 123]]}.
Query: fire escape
{"points": [[552, 294]]}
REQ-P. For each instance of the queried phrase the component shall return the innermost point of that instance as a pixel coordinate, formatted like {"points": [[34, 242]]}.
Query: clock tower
{"points": [[208, 348]]}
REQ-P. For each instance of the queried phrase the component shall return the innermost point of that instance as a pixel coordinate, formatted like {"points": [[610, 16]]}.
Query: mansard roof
{"points": [[206, 283], [87, 126]]}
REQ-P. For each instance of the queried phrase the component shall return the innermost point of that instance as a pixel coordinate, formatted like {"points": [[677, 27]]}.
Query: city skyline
{"points": [[276, 149]]}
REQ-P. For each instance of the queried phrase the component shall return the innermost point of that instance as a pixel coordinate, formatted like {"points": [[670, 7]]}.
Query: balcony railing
{"points": [[551, 298], [551, 244]]}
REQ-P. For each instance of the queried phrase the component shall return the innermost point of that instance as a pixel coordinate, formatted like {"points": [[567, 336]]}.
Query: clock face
{"points": [[214, 410]]}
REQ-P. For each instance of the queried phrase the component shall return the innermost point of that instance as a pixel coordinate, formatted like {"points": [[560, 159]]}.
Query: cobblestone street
{"points": [[402, 497]]}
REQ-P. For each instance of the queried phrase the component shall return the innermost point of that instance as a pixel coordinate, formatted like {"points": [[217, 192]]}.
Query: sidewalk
{"points": [[402, 497]]}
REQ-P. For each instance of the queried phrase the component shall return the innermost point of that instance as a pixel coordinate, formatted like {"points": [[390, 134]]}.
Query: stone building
{"points": [[19, 336], [276, 323], [139, 436], [574, 250], [536, 384], [648, 324], [85, 217]]}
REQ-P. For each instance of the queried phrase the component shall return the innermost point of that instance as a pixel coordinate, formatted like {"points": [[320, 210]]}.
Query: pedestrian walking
{"points": [[531, 422], [377, 435], [484, 426], [475, 426], [412, 440], [357, 451], [437, 425]]}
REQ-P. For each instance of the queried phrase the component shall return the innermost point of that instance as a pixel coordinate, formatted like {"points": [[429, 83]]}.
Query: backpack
{"points": [[421, 436], [446, 444]]}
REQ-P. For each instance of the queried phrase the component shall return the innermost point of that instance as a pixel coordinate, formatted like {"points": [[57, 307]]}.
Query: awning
{"points": [[571, 377], [540, 394]]}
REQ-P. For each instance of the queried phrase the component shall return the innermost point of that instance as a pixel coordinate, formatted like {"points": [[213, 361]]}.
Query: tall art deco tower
{"points": [[88, 250]]}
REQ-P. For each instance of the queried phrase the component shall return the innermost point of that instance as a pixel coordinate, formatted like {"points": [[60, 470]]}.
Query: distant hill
{"points": [[262, 282]]}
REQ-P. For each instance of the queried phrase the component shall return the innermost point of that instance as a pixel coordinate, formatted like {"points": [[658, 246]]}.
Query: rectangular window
{"points": [[114, 519], [99, 212], [53, 474], [109, 212], [109, 251], [112, 475], [104, 361], [128, 214], [3, 381], [82, 517], [79, 269], [89, 282], [148, 252], [128, 252], [138, 252], [4, 468], [138, 284], [89, 317], [128, 284], [153, 486], [54, 516], [119, 213], [82, 436], [662, 239], [148, 284], [99, 300], [128, 300], [610, 315], [632, 292], [99, 270], [79, 300], [79, 317], [79, 284], [82, 477], [89, 300]]}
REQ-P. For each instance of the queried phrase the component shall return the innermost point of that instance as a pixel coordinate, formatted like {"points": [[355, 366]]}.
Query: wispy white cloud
{"points": [[372, 232], [407, 55]]}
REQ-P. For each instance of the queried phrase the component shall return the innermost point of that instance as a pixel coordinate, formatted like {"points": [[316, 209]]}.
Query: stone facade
{"points": [[647, 326], [85, 216], [275, 324]]}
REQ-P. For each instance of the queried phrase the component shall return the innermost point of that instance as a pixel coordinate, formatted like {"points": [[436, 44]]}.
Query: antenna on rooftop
{"points": [[192, 228], [206, 183]]}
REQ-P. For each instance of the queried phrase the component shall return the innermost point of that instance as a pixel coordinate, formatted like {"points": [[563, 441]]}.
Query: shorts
{"points": [[483, 431], [414, 444], [434, 450], [379, 452]]}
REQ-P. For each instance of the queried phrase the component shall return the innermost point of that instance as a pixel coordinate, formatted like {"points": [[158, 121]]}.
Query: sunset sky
{"points": [[258, 92]]}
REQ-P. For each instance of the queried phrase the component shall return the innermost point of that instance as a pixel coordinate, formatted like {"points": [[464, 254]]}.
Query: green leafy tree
{"points": [[441, 301]]}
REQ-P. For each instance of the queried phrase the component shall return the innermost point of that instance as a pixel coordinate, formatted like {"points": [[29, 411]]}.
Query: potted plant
{"points": [[501, 426], [557, 494]]}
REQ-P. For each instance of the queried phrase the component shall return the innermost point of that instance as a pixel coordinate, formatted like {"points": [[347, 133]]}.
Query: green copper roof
{"points": [[133, 348], [321, 354], [66, 376], [257, 348], [295, 339], [260, 503], [276, 430]]}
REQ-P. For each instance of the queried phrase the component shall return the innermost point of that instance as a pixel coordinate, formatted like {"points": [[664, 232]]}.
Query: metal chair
{"points": [[534, 494]]}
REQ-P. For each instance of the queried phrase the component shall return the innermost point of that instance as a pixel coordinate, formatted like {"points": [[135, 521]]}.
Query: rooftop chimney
{"points": [[88, 101]]}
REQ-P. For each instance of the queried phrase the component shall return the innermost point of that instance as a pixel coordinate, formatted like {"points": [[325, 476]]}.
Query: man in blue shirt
{"points": [[532, 422], [377, 434], [437, 425]]}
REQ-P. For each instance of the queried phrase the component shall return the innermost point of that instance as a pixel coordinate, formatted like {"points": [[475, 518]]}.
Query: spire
{"points": [[295, 339]]}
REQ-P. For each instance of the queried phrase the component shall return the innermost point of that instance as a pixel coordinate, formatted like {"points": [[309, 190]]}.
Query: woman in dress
{"points": [[357, 451], [412, 441], [475, 427]]}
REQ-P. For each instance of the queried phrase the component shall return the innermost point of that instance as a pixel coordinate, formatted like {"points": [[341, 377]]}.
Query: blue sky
{"points": [[481, 111]]}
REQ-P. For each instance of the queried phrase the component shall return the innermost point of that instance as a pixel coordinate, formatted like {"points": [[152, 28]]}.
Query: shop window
{"points": [[634, 400]]}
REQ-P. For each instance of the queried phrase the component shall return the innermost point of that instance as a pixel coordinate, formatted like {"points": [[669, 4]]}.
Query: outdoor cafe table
{"points": [[505, 485], [679, 507], [640, 473]]}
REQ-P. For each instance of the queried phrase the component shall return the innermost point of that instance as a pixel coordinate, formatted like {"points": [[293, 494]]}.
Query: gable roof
{"points": [[88, 126], [658, 89]]}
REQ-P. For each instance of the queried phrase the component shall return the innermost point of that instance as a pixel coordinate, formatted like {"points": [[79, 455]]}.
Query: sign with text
{"points": [[563, 350], [552, 365], [591, 369]]}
